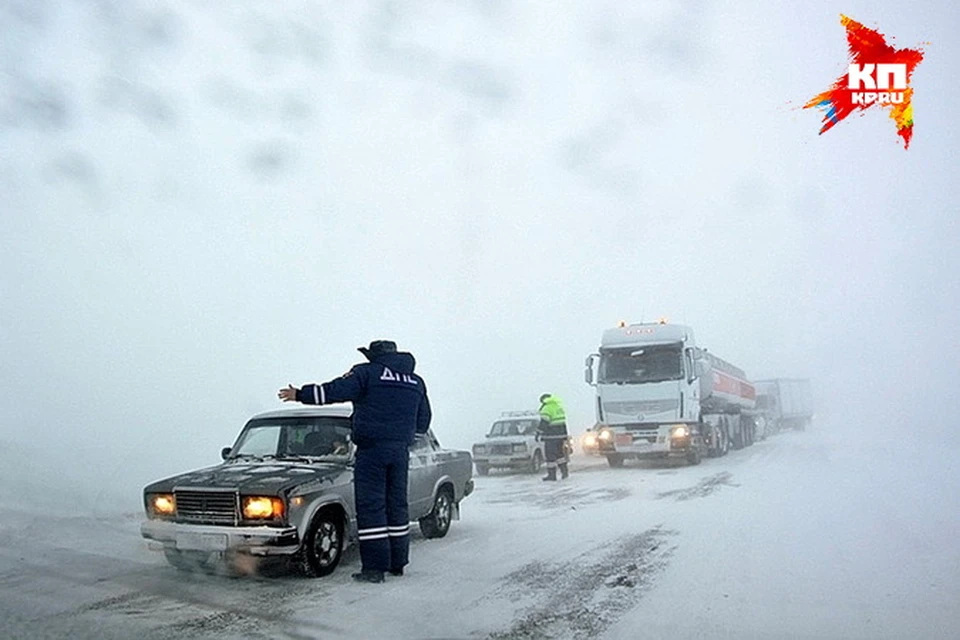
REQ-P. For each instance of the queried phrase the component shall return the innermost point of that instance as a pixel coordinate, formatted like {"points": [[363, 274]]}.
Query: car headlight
{"points": [[605, 435], [161, 504], [679, 431], [519, 447], [479, 449], [262, 507], [590, 440]]}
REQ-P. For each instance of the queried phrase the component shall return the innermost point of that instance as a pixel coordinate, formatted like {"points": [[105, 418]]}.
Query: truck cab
{"points": [[659, 395], [510, 443]]}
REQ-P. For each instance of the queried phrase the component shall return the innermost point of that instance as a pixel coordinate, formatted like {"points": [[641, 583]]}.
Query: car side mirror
{"points": [[225, 452]]}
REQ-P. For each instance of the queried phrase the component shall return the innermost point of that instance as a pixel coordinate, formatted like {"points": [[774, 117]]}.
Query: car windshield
{"points": [[295, 437], [526, 427], [633, 365]]}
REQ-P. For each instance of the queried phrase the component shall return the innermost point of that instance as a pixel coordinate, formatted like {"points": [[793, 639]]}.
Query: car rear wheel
{"points": [[436, 523], [322, 547], [536, 462]]}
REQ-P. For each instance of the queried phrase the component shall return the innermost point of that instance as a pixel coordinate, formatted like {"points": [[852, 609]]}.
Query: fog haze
{"points": [[203, 202]]}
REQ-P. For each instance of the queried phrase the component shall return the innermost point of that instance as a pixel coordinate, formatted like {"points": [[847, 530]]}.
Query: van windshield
{"points": [[635, 365]]}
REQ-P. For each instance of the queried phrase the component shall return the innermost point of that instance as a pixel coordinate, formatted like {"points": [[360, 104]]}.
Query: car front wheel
{"points": [[323, 545], [188, 560], [537, 462], [436, 523]]}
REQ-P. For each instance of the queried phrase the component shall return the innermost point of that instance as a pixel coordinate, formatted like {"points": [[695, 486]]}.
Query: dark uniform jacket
{"points": [[389, 400]]}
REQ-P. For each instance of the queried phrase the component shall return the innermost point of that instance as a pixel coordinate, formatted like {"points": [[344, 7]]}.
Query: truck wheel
{"points": [[615, 460], [537, 462], [436, 523], [482, 469], [322, 546], [694, 456]]}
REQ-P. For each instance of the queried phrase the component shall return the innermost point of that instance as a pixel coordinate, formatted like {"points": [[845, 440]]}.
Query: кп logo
{"points": [[878, 74]]}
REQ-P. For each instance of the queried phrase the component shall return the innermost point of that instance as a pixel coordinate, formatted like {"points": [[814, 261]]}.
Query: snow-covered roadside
{"points": [[825, 536], [805, 535]]}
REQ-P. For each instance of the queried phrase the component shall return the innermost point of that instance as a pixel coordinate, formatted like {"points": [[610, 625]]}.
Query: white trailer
{"points": [[784, 403], [658, 394]]}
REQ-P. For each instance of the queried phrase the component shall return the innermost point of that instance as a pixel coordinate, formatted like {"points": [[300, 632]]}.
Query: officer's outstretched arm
{"points": [[346, 388]]}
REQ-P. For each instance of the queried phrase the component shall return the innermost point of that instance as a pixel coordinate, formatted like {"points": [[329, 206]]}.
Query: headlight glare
{"points": [[162, 504], [679, 431], [262, 507]]}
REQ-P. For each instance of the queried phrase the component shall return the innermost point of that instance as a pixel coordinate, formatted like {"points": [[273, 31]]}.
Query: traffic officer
{"points": [[390, 406], [553, 432]]}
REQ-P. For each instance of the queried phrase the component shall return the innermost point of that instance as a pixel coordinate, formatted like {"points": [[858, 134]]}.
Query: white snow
{"points": [[804, 535]]}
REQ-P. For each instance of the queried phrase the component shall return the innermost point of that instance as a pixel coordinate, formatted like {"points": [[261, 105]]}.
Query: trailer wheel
{"points": [[615, 460]]}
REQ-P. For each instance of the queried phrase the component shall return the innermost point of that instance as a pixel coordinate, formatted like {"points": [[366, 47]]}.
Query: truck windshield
{"points": [[634, 365]]}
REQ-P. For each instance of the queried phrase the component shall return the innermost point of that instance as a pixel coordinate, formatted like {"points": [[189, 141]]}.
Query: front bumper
{"points": [[257, 541], [641, 447], [503, 461]]}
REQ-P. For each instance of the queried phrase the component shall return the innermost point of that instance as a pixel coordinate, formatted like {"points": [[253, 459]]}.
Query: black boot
{"points": [[563, 471], [396, 572], [369, 575], [551, 474]]}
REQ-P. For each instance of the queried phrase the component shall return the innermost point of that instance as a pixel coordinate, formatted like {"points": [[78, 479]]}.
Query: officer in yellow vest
{"points": [[553, 432]]}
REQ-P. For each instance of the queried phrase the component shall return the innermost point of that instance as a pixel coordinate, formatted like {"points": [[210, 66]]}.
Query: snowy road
{"points": [[800, 536]]}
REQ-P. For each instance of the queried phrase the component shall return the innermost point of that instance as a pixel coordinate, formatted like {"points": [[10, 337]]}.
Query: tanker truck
{"points": [[658, 394]]}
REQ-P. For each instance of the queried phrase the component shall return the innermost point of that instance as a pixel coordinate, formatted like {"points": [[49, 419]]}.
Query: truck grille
{"points": [[207, 507]]}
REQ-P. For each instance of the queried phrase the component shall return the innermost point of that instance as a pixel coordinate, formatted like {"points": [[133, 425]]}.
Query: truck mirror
{"points": [[588, 371]]}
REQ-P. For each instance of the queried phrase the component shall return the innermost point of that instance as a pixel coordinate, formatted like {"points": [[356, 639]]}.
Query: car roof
{"points": [[339, 411]]}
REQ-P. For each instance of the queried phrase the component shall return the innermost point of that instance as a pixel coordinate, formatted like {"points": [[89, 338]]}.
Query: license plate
{"points": [[624, 438], [202, 541]]}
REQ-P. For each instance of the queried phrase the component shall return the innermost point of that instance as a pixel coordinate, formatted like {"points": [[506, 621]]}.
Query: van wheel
{"points": [[322, 547], [436, 523]]}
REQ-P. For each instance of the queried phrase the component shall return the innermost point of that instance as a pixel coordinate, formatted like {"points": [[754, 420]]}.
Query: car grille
{"points": [[501, 449], [207, 507]]}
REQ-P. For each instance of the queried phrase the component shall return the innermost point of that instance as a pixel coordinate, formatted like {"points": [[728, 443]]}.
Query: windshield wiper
{"points": [[288, 456]]}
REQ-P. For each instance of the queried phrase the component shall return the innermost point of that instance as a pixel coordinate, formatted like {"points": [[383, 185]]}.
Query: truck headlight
{"points": [[262, 507], [679, 431], [161, 504]]}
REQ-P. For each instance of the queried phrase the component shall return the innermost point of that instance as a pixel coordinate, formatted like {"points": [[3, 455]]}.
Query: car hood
{"points": [[270, 478]]}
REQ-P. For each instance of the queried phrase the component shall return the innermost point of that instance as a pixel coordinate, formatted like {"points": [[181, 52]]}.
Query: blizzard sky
{"points": [[203, 202]]}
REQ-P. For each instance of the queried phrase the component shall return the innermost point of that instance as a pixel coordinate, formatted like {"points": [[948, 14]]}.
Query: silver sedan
{"points": [[285, 488]]}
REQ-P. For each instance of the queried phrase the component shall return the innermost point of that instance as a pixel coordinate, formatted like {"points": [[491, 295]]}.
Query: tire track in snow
{"points": [[705, 487], [580, 598]]}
